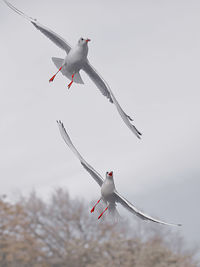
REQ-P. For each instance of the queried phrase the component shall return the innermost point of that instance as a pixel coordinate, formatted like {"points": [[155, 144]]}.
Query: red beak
{"points": [[88, 40], [110, 174]]}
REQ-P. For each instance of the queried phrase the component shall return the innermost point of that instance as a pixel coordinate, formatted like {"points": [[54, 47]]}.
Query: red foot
{"points": [[69, 85], [92, 210], [51, 80], [102, 213]]}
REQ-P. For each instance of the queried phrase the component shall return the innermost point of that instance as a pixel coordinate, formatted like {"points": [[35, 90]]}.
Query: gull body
{"points": [[108, 188], [109, 194], [76, 60]]}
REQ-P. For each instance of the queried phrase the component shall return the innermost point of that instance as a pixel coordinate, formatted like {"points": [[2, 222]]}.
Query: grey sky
{"points": [[148, 52]]}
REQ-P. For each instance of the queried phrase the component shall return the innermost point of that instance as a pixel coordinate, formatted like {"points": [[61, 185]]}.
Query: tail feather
{"points": [[59, 62], [114, 214]]}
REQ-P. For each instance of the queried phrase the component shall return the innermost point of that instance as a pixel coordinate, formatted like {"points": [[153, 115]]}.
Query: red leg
{"points": [[102, 213], [69, 85], [92, 210], [52, 78]]}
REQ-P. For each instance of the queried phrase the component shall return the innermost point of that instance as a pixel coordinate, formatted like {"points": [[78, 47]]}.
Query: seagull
{"points": [[109, 194], [76, 60]]}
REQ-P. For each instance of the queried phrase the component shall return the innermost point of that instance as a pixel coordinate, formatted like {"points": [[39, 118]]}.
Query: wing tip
{"points": [[19, 12], [170, 224], [34, 23], [110, 98], [60, 124], [176, 225], [138, 134]]}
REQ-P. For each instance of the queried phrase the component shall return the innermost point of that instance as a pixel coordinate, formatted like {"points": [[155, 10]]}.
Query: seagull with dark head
{"points": [[74, 61]]}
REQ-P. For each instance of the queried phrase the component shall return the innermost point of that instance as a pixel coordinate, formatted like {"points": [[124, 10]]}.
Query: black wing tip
{"points": [[172, 224], [62, 127], [176, 225], [34, 23], [83, 164], [138, 134], [59, 122]]}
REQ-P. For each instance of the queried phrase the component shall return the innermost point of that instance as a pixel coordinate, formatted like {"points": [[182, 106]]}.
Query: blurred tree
{"points": [[61, 232], [18, 246]]}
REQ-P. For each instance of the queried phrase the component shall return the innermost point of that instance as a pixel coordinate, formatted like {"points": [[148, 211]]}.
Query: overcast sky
{"points": [[148, 52]]}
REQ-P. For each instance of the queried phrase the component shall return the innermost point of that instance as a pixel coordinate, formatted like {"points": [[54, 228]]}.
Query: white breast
{"points": [[76, 58], [107, 189]]}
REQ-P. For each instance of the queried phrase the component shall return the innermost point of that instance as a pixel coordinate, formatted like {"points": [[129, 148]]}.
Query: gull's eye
{"points": [[81, 39]]}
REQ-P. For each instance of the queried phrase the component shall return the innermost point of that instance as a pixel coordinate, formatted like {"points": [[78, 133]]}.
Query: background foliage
{"points": [[61, 232]]}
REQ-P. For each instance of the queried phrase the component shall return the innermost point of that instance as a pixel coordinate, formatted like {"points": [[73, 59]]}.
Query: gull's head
{"points": [[83, 41], [109, 175]]}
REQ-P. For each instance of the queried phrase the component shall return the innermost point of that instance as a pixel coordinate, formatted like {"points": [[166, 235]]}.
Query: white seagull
{"points": [[76, 60], [108, 192]]}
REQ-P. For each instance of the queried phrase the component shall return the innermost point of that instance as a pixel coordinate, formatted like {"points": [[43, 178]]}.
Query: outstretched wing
{"points": [[95, 175], [126, 204], [106, 91], [54, 37], [98, 80]]}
